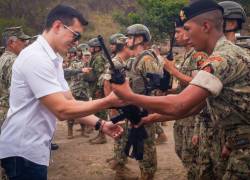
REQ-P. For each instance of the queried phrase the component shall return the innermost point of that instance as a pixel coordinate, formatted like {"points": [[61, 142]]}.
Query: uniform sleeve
{"points": [[41, 77], [213, 74]]}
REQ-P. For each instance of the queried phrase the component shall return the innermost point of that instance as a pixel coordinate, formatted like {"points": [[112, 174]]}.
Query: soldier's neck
{"points": [[231, 37], [138, 50], [211, 42]]}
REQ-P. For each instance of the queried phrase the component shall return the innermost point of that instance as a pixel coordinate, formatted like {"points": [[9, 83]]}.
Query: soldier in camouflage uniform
{"points": [[161, 136], [144, 62], [234, 17], [184, 129], [96, 67], [78, 87], [224, 81], [122, 54], [14, 41]]}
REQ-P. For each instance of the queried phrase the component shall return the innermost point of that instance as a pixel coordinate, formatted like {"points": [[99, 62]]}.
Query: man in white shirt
{"points": [[39, 94]]}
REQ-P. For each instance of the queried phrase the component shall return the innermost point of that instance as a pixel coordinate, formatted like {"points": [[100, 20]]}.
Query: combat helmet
{"points": [[83, 47], [117, 38], [233, 10], [94, 43], [139, 29]]}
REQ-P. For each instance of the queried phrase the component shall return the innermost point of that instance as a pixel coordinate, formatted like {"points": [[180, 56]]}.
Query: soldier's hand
{"points": [[113, 130], [195, 140], [86, 70], [169, 66], [151, 118], [123, 91], [225, 152], [115, 101]]}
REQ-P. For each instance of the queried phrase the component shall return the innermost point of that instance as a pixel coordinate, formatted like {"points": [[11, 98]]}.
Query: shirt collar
{"points": [[46, 46]]}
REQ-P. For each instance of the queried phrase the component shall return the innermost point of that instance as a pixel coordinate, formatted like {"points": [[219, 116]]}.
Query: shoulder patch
{"points": [[215, 58], [147, 58], [201, 55]]}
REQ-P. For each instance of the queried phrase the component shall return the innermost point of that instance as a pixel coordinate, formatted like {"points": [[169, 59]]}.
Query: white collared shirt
{"points": [[29, 126]]}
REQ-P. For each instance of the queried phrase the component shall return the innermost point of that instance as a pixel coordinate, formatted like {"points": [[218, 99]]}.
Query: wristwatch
{"points": [[98, 124]]}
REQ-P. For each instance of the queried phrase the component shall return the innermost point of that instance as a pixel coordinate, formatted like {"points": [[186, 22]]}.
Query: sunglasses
{"points": [[76, 35]]}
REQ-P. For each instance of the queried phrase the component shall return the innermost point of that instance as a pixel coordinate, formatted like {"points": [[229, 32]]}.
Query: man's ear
{"points": [[206, 27], [56, 26]]}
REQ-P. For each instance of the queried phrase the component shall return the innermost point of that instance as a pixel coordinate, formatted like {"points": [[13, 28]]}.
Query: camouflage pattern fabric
{"points": [[119, 145], [6, 62], [230, 111], [184, 128], [97, 63], [158, 128], [78, 86], [138, 67]]}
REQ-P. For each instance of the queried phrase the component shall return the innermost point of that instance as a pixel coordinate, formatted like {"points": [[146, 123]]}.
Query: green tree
{"points": [[157, 15]]}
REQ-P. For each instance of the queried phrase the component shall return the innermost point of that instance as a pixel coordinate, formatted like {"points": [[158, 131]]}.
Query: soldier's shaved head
{"points": [[214, 17]]}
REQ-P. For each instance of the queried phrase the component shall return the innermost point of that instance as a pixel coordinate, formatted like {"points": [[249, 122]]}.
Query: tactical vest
{"points": [[137, 78]]}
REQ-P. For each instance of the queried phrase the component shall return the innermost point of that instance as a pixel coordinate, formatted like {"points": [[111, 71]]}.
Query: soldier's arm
{"points": [[196, 57], [176, 73]]}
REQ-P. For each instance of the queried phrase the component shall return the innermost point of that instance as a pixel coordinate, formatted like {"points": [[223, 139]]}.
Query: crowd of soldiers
{"points": [[88, 74]]}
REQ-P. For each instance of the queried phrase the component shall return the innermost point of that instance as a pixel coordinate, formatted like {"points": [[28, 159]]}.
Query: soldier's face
{"points": [[181, 37], [66, 36], [112, 48], [196, 35], [18, 45]]}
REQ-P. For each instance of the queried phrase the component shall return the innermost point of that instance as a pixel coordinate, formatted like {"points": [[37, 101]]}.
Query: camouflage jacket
{"points": [[189, 66], [97, 63], [6, 62], [139, 66], [229, 108], [78, 85]]}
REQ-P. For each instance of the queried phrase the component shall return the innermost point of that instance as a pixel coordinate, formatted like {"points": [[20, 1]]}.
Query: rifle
{"points": [[68, 73], [131, 112], [242, 37], [167, 80]]}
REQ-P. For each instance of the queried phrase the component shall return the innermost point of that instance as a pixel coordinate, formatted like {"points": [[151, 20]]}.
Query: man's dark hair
{"points": [[65, 14]]}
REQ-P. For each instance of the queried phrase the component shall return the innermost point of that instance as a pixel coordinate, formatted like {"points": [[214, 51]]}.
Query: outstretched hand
{"points": [[123, 91], [112, 130]]}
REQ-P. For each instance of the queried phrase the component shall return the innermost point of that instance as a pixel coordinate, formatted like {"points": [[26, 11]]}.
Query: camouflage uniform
{"points": [[138, 68], [229, 110], [97, 63], [6, 62], [184, 129], [79, 89], [119, 145]]}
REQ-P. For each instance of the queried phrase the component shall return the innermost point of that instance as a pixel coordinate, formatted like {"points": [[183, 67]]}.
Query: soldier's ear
{"points": [[206, 27]]}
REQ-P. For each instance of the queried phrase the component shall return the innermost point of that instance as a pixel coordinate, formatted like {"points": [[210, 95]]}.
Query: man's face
{"points": [[196, 35], [86, 58], [134, 40], [112, 48], [18, 45], [66, 36], [231, 24], [181, 37]]}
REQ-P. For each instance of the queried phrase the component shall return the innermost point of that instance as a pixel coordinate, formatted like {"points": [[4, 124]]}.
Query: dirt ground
{"points": [[76, 159]]}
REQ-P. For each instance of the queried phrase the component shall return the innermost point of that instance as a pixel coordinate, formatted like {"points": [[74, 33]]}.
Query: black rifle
{"points": [[167, 80], [68, 73], [242, 37], [130, 112]]}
